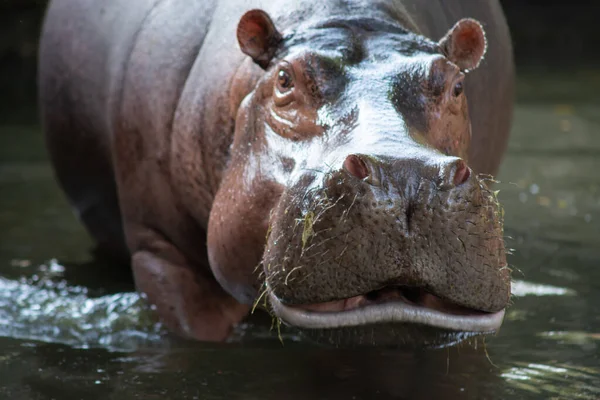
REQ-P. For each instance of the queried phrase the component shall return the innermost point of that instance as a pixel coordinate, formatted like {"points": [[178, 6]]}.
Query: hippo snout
{"points": [[380, 231], [448, 173]]}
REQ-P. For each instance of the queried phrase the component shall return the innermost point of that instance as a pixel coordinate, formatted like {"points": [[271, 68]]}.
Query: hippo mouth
{"points": [[392, 304]]}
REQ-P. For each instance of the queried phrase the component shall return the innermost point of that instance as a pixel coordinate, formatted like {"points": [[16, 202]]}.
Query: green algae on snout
{"points": [[309, 220]]}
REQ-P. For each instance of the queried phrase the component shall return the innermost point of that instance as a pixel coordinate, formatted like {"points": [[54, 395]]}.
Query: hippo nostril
{"points": [[356, 166], [461, 173]]}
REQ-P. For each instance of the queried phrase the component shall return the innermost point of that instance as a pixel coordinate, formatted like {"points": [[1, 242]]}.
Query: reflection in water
{"points": [[522, 288], [233, 372], [549, 381], [587, 339]]}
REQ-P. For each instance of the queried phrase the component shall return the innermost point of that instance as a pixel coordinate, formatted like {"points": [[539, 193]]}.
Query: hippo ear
{"points": [[464, 44], [258, 36]]}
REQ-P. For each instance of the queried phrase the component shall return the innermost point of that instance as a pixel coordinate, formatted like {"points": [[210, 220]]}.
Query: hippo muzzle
{"points": [[388, 240]]}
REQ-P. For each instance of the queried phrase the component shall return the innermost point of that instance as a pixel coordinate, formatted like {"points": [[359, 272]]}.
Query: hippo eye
{"points": [[284, 81], [458, 89]]}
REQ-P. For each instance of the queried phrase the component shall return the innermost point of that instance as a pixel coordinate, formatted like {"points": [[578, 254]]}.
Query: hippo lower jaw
{"points": [[389, 305]]}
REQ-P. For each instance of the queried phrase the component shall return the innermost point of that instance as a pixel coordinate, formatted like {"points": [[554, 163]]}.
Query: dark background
{"points": [[548, 36]]}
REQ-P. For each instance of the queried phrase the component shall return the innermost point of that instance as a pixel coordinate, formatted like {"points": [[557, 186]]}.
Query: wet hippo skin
{"points": [[324, 159]]}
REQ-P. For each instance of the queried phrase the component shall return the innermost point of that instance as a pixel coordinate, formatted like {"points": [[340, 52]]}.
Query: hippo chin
{"points": [[323, 158]]}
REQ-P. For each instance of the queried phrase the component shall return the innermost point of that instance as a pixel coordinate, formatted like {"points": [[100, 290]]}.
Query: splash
{"points": [[44, 309]]}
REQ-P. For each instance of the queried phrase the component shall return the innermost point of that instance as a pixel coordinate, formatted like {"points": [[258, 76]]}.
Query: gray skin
{"points": [[346, 200]]}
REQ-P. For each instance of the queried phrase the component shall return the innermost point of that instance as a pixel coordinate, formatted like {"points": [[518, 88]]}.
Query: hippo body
{"points": [[151, 110]]}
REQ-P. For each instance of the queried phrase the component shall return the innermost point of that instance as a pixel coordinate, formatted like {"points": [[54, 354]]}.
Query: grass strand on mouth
{"points": [[308, 231]]}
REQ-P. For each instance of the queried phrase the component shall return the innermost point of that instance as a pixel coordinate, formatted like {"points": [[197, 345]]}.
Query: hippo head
{"points": [[349, 203]]}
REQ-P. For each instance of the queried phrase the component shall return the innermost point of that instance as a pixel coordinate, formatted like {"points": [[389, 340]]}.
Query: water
{"points": [[71, 327]]}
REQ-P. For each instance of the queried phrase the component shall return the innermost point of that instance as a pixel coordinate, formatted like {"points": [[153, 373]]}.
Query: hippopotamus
{"points": [[327, 160]]}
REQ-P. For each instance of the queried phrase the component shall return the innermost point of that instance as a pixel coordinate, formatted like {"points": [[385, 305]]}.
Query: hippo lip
{"points": [[391, 304]]}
